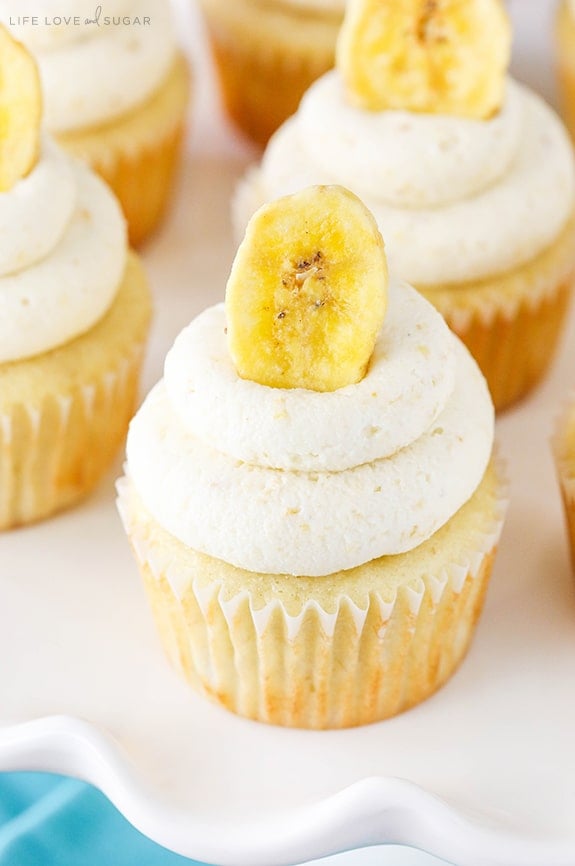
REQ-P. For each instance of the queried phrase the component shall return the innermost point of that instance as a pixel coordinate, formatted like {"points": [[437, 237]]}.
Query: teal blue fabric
{"points": [[49, 820]]}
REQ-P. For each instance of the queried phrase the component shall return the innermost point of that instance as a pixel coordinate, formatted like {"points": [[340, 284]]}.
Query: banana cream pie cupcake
{"points": [[564, 451], [469, 174], [566, 60], [116, 88], [74, 312], [268, 53], [310, 491]]}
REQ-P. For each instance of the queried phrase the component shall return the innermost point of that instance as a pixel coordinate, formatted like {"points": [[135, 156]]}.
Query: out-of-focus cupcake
{"points": [[315, 520], [564, 451], [565, 30], [116, 89], [267, 55], [478, 211], [74, 312]]}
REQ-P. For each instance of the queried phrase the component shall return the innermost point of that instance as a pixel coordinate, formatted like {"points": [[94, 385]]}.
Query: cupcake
{"points": [[310, 491], [469, 174], [116, 90], [564, 451], [566, 62], [267, 55], [74, 312]]}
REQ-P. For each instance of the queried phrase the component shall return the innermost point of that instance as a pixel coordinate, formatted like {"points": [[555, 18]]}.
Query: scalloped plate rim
{"points": [[376, 810]]}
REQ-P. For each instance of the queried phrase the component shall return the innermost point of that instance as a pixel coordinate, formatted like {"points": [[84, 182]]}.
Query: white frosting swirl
{"points": [[317, 522], [410, 160], [413, 365], [91, 73], [35, 213], [70, 271], [455, 199]]}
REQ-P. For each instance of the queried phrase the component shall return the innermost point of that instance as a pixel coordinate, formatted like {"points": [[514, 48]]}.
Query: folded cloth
{"points": [[48, 820]]}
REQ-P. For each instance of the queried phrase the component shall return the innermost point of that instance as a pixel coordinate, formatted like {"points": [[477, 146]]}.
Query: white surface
{"points": [[496, 744]]}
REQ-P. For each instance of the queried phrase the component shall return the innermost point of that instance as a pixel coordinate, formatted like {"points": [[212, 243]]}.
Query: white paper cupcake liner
{"points": [[54, 453], [354, 661]]}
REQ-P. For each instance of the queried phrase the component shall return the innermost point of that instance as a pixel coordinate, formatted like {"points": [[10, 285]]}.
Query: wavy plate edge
{"points": [[374, 811]]}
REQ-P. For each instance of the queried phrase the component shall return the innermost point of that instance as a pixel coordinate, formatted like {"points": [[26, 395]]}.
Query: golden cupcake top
{"points": [[433, 56], [20, 111], [307, 293]]}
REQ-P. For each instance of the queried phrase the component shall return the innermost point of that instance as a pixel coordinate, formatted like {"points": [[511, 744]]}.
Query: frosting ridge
{"points": [[410, 160], [410, 378], [35, 213]]}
